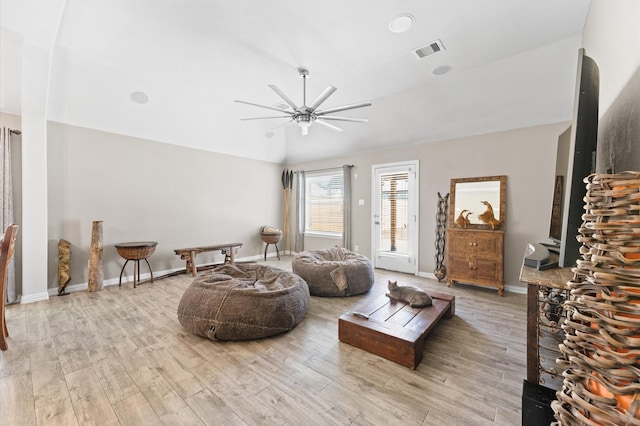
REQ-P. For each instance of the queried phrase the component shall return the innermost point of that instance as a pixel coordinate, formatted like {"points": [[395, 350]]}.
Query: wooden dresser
{"points": [[476, 256]]}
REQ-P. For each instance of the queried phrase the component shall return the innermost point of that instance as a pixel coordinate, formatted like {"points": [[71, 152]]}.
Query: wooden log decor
{"points": [[64, 255], [287, 186], [95, 258], [601, 349]]}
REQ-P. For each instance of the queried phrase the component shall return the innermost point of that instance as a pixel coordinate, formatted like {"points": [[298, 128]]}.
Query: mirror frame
{"points": [[503, 202]]}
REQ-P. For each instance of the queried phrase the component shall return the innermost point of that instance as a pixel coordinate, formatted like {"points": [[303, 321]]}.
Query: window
{"points": [[324, 202], [394, 211]]}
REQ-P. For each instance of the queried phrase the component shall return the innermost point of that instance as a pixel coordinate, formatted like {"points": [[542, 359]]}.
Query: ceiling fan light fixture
{"points": [[401, 23], [304, 126], [305, 115]]}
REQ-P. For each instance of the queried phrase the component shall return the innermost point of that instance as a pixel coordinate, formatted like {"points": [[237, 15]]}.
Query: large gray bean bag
{"points": [[334, 272], [243, 301]]}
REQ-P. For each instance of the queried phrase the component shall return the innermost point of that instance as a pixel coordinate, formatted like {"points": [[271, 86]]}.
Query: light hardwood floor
{"points": [[120, 356]]}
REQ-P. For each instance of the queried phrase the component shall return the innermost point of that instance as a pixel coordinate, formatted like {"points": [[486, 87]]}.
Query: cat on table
{"points": [[415, 297]]}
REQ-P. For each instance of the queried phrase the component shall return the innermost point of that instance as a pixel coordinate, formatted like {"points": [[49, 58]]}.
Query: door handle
{"points": [[376, 222]]}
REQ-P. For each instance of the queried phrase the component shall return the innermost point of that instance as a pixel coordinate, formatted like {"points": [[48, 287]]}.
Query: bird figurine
{"points": [[463, 218], [488, 217]]}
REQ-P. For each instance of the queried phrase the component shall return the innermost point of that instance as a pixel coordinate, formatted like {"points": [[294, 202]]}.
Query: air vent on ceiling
{"points": [[429, 49]]}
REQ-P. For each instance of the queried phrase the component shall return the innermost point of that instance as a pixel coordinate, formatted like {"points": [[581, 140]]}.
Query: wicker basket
{"points": [[601, 350], [131, 252], [271, 238]]}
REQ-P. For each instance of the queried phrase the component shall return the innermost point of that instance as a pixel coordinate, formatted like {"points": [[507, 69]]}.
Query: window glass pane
{"points": [[324, 198], [394, 210]]}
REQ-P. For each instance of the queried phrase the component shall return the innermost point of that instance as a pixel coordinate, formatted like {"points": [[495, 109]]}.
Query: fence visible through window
{"points": [[394, 209], [325, 202]]}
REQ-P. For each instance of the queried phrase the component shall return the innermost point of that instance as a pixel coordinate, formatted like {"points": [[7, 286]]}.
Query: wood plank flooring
{"points": [[120, 357]]}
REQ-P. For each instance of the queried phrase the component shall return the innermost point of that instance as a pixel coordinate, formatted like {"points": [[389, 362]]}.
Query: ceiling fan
{"points": [[305, 114]]}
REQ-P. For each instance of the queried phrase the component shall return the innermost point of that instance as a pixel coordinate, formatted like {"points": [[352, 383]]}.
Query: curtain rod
{"points": [[324, 170]]}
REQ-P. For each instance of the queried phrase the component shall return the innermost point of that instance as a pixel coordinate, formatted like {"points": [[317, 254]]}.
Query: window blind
{"points": [[394, 211], [324, 202]]}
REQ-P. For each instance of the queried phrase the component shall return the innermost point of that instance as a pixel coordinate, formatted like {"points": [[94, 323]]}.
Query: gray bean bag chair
{"points": [[334, 272], [243, 301]]}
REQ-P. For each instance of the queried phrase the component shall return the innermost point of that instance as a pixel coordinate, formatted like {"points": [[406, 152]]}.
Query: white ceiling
{"points": [[513, 65]]}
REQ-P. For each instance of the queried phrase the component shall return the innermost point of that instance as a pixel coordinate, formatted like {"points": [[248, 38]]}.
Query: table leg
{"points": [[134, 273], [150, 271], [194, 269], [231, 260], [277, 251], [265, 252], [121, 271], [532, 334]]}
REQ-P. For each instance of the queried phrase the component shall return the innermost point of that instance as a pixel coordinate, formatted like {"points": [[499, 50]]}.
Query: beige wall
{"points": [[11, 121], [526, 156], [144, 190]]}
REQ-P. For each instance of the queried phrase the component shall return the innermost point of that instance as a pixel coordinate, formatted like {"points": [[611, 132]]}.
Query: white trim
{"points": [[31, 298], [53, 291], [414, 248], [515, 289], [511, 288], [319, 234]]}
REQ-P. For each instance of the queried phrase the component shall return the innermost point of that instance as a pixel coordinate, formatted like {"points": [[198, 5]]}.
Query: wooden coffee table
{"points": [[394, 330]]}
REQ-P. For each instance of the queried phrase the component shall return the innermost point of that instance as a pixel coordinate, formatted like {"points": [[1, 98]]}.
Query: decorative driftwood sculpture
{"points": [[463, 218], [441, 225], [64, 254], [287, 185], [95, 258], [488, 217]]}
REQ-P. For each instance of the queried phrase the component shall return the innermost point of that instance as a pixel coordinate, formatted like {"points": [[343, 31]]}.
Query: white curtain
{"points": [[7, 205], [300, 188], [346, 207]]}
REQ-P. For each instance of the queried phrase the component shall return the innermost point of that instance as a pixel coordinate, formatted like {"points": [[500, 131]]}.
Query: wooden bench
{"points": [[393, 329], [189, 254]]}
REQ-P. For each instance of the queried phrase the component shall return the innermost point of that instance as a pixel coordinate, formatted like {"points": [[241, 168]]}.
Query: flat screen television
{"points": [[575, 160]]}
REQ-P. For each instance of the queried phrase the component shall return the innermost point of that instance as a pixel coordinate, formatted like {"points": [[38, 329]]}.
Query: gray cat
{"points": [[415, 297]]}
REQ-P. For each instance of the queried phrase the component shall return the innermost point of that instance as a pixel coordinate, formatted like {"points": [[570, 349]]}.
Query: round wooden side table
{"points": [[136, 251]]}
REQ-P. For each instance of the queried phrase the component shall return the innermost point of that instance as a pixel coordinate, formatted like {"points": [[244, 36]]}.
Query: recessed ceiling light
{"points": [[401, 23], [139, 97], [442, 69]]}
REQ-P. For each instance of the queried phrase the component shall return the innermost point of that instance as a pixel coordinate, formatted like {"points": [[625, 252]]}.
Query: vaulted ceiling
{"points": [[513, 65]]}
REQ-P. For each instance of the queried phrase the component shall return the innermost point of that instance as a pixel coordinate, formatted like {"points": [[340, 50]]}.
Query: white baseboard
{"points": [[129, 279], [511, 288], [31, 298]]}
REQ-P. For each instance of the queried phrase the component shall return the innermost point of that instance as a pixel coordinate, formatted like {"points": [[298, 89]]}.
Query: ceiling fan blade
{"points": [[323, 97], [283, 96], [264, 118], [355, 120], [343, 108], [263, 106], [324, 123], [284, 123]]}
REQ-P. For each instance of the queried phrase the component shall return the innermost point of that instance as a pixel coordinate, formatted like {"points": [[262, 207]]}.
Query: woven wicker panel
{"points": [[601, 350], [136, 253]]}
